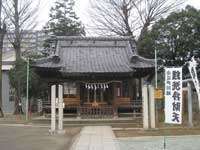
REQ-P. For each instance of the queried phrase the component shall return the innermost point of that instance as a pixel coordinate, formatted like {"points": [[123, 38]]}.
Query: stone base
{"points": [[78, 117], [61, 132], [115, 117], [52, 132]]}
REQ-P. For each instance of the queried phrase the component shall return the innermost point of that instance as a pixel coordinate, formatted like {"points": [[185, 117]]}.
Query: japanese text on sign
{"points": [[173, 95]]}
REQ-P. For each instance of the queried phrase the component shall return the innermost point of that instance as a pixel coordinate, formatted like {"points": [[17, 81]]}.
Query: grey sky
{"points": [[81, 9], [45, 5]]}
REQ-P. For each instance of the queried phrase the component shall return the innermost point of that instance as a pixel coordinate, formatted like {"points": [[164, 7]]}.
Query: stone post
{"points": [[60, 110], [145, 107], [53, 109], [152, 106], [190, 123]]}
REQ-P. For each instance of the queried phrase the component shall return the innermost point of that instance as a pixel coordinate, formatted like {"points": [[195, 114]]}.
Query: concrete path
{"points": [[188, 142], [95, 138]]}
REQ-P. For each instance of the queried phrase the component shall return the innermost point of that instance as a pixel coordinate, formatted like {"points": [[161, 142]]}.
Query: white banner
{"points": [[173, 95], [193, 71]]}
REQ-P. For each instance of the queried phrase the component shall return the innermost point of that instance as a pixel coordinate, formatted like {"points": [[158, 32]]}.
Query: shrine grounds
{"points": [[189, 142], [20, 135], [16, 137], [36, 137]]}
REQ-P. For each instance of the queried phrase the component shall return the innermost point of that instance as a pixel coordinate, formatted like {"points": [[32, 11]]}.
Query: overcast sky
{"points": [[45, 5], [81, 9]]}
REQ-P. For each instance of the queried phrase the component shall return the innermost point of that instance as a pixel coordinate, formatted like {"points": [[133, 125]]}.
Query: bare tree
{"points": [[21, 16], [129, 17], [2, 34]]}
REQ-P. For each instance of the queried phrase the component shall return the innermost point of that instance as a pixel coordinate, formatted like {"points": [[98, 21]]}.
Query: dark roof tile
{"points": [[95, 55]]}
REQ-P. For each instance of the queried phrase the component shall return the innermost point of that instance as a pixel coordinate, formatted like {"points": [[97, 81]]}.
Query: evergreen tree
{"points": [[37, 87], [176, 37], [63, 20]]}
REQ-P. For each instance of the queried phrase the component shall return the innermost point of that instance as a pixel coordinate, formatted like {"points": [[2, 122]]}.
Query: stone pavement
{"points": [[186, 142], [95, 138]]}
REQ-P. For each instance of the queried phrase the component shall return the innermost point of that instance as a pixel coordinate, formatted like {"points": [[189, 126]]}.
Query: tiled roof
{"points": [[141, 62], [94, 55]]}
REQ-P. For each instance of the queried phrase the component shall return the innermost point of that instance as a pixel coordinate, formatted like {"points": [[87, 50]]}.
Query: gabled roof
{"points": [[95, 55]]}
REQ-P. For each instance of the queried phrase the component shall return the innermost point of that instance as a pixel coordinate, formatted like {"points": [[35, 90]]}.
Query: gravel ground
{"points": [[34, 138], [157, 132]]}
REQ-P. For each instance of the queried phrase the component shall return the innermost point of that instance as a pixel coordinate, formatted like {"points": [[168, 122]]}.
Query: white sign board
{"points": [[173, 95]]}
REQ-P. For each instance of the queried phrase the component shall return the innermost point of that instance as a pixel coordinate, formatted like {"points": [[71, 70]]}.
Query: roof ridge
{"points": [[121, 38], [148, 59]]}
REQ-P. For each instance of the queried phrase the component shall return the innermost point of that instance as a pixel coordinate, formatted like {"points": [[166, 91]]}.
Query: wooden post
{"points": [[101, 90], [60, 110], [88, 95], [53, 109], [140, 87], [114, 99], [190, 123], [95, 95], [145, 107]]}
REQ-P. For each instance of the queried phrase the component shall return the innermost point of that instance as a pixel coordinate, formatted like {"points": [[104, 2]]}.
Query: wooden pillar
{"points": [[140, 87], [114, 99], [80, 92], [53, 109], [190, 123], [95, 95], [78, 89], [101, 90], [88, 95], [134, 89], [130, 88]]}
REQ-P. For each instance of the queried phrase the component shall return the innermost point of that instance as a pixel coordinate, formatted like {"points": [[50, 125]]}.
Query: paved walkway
{"points": [[187, 142], [96, 138]]}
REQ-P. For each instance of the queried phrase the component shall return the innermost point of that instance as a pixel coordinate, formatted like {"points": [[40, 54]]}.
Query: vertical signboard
{"points": [[173, 95]]}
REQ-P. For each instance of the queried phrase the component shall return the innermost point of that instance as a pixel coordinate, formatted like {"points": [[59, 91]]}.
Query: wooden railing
{"points": [[96, 112], [99, 110], [46, 106], [71, 101], [122, 101], [126, 103]]}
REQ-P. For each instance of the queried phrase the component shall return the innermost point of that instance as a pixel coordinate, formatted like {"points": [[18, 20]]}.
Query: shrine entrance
{"points": [[102, 99], [96, 100], [96, 94]]}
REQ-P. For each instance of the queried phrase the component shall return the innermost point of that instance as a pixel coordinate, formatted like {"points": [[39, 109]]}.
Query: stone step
{"points": [[115, 123]]}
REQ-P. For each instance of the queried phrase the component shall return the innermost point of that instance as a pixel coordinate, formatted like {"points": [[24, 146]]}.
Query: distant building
{"points": [[31, 41], [8, 61]]}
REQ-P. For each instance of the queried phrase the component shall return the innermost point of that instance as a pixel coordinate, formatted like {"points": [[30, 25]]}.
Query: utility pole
{"points": [[27, 90], [156, 85], [2, 34], [156, 75]]}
